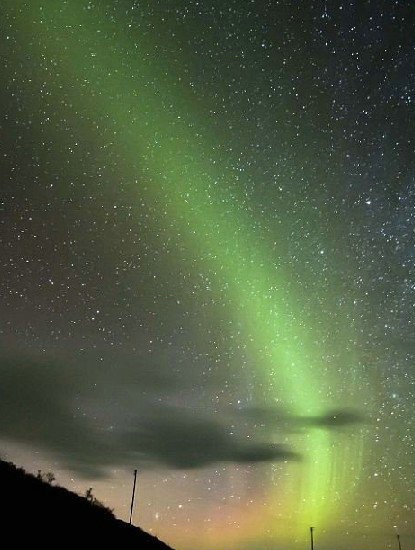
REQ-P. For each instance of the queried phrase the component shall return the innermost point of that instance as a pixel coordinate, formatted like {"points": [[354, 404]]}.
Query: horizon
{"points": [[88, 495]]}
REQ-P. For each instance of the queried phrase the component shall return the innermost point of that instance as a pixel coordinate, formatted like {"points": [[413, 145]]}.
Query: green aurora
{"points": [[155, 123]]}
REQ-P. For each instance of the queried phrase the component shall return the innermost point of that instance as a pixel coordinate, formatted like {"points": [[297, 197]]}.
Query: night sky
{"points": [[207, 264]]}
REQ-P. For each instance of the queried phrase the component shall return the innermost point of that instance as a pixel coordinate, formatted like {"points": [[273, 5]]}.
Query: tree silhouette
{"points": [[93, 500], [48, 477]]}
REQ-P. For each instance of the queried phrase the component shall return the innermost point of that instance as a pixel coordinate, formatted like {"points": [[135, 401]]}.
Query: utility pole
{"points": [[133, 495], [311, 538], [398, 536]]}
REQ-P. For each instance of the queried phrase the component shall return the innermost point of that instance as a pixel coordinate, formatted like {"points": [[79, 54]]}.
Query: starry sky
{"points": [[207, 264]]}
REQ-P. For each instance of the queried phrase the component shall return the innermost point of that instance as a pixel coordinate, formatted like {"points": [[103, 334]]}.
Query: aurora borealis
{"points": [[208, 230]]}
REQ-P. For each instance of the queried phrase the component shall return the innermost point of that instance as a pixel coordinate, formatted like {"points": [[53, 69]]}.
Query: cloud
{"points": [[49, 406], [95, 417], [277, 418], [335, 419], [181, 439], [36, 410]]}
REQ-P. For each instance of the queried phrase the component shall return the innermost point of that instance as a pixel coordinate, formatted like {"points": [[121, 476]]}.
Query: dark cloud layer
{"points": [[50, 407], [182, 439], [278, 418]]}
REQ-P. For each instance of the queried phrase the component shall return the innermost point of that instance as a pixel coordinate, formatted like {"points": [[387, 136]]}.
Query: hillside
{"points": [[35, 512]]}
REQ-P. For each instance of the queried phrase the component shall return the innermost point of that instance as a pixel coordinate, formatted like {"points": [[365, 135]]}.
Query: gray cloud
{"points": [[179, 438], [277, 418], [36, 409], [335, 419], [47, 406], [94, 417]]}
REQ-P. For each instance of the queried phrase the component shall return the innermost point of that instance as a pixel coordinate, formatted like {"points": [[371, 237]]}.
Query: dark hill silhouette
{"points": [[39, 514]]}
